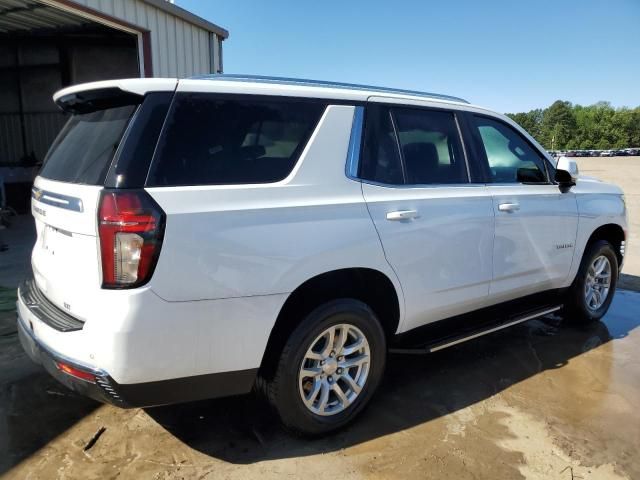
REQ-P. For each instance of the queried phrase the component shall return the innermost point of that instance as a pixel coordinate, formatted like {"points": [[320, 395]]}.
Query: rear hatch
{"points": [[65, 196]]}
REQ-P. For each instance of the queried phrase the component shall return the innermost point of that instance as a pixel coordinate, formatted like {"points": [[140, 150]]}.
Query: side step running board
{"points": [[455, 340]]}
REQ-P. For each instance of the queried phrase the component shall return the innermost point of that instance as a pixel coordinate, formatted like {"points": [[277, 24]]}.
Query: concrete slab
{"points": [[536, 401]]}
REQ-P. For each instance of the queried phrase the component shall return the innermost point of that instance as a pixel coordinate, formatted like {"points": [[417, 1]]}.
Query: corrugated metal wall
{"points": [[178, 48], [40, 130], [31, 70], [11, 149]]}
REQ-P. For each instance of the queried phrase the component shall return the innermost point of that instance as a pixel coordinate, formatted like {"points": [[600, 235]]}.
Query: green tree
{"points": [[575, 127], [558, 125], [530, 121]]}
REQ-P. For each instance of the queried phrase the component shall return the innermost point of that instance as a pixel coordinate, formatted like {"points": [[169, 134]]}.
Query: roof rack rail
{"points": [[321, 83]]}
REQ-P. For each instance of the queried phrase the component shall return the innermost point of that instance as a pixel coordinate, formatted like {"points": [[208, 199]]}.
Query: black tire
{"points": [[283, 392], [575, 308]]}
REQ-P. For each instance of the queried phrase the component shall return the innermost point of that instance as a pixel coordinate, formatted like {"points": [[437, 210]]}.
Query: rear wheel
{"points": [[592, 291], [329, 368]]}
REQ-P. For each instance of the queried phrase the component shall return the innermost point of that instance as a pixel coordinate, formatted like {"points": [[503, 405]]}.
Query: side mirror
{"points": [[566, 172]]}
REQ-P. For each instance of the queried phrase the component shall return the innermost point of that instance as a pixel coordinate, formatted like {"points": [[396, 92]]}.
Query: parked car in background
{"points": [[608, 153], [203, 237]]}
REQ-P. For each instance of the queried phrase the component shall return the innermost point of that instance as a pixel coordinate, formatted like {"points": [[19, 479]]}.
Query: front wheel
{"points": [[592, 291], [329, 368]]}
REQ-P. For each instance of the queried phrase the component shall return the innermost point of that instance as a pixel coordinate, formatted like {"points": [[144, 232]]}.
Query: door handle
{"points": [[509, 207], [402, 215]]}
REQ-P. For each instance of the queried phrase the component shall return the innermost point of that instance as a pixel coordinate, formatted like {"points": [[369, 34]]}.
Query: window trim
{"points": [[136, 166], [482, 153], [384, 109], [464, 148], [356, 139], [396, 136], [477, 167], [388, 108]]}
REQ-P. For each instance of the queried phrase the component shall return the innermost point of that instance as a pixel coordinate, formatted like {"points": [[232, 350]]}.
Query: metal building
{"points": [[46, 45]]}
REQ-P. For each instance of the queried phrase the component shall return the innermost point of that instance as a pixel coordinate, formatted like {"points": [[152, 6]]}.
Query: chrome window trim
{"points": [[520, 184], [422, 185], [396, 136], [464, 148], [355, 142]]}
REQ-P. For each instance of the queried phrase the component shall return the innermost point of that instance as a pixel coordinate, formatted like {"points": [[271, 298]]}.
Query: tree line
{"points": [[564, 126]]}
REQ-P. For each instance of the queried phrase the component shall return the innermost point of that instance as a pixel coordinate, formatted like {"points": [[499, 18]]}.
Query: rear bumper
{"points": [[105, 389], [101, 389]]}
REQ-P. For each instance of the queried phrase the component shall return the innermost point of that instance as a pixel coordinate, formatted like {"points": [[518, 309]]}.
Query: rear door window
{"points": [[431, 147], [381, 161], [85, 146], [210, 139]]}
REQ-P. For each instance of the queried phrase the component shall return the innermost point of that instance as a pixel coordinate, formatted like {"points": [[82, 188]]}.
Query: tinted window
{"points": [[380, 157], [430, 147], [84, 148], [130, 166], [210, 140], [511, 159]]}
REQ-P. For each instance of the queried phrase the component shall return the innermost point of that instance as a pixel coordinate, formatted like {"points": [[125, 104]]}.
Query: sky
{"points": [[510, 56]]}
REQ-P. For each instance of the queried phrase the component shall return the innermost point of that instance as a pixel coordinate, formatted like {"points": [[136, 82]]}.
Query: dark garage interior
{"points": [[43, 49]]}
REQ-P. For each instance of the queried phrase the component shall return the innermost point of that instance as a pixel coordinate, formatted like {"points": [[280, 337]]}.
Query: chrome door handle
{"points": [[402, 215], [509, 207]]}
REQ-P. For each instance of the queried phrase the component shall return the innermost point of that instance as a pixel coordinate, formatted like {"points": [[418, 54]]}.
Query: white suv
{"points": [[202, 237]]}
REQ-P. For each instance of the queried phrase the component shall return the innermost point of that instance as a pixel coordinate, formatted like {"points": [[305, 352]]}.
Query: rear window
{"points": [[85, 146], [214, 140]]}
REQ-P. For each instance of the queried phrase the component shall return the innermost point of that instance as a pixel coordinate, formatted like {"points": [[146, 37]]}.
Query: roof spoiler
{"points": [[97, 99], [88, 97]]}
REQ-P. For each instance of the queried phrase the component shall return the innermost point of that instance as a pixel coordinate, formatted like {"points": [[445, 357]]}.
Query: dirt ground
{"points": [[541, 400]]}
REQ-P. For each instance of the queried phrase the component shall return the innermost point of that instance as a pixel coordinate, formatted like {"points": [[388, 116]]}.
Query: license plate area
{"points": [[53, 239]]}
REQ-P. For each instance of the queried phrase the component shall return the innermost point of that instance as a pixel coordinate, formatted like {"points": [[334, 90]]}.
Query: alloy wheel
{"points": [[597, 283], [334, 369]]}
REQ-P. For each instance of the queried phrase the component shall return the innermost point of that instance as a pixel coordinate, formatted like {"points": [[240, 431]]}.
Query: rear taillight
{"points": [[131, 226]]}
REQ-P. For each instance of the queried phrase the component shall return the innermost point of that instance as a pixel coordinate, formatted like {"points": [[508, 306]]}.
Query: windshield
{"points": [[84, 148]]}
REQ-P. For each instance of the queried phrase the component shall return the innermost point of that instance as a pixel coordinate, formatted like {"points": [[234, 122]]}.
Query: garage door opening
{"points": [[43, 49]]}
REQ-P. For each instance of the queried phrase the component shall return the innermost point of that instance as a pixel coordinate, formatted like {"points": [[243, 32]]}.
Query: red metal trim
{"points": [[146, 51]]}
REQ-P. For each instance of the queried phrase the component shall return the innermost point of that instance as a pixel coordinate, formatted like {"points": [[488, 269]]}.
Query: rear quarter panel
{"points": [[245, 240]]}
